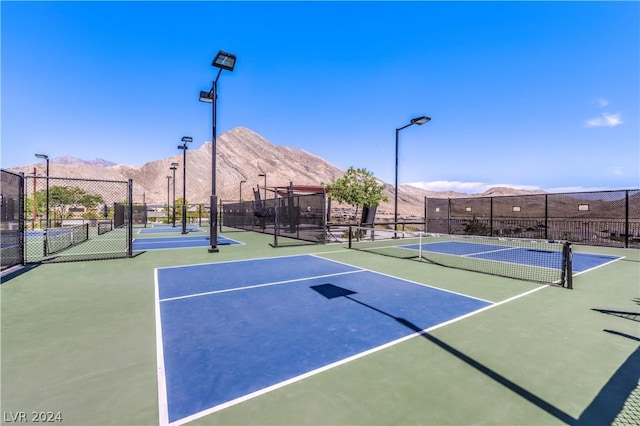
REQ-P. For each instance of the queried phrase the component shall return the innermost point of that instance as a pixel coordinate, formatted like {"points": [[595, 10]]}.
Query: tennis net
{"points": [[61, 238], [104, 227], [541, 261]]}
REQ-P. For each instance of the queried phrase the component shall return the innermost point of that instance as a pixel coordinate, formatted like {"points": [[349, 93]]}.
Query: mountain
{"points": [[241, 156], [70, 160], [500, 191]]}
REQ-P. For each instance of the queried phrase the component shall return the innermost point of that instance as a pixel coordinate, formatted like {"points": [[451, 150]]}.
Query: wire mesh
{"points": [[86, 219], [298, 217], [603, 218], [11, 220]]}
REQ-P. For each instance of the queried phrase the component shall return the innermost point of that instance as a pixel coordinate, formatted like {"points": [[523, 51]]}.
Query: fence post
{"points": [[21, 216], [276, 225], [491, 217], [546, 216], [449, 216], [221, 214], [626, 219], [130, 224], [326, 214], [425, 215]]}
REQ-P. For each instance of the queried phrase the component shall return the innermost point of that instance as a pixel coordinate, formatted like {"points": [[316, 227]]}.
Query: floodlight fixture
{"points": [[264, 175], [224, 60], [206, 97], [420, 120], [241, 182]]}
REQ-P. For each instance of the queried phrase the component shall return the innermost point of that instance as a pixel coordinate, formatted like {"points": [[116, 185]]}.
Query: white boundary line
{"points": [[490, 251], [249, 287], [598, 266], [237, 243], [163, 405], [171, 230], [242, 260]]}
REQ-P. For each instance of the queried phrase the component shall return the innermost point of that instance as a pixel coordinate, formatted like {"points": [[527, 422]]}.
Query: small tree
{"points": [[357, 188], [61, 198]]}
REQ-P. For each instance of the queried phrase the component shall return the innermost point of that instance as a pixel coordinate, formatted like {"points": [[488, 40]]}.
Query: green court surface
{"points": [[79, 342]]}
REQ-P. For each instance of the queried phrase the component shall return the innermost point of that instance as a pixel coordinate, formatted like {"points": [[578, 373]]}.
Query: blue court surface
{"points": [[229, 331], [143, 244], [582, 262]]}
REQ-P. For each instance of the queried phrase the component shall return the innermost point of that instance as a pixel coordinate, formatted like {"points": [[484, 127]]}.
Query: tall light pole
{"points": [[173, 167], [46, 157], [183, 147], [168, 180], [265, 185], [419, 121], [223, 61], [241, 182]]}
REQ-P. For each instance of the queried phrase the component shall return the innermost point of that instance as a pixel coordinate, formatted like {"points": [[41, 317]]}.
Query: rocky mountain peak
{"points": [[71, 160], [242, 155]]}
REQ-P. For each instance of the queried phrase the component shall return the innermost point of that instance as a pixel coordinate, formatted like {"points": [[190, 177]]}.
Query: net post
{"points": [[567, 266], [350, 236], [276, 218], [420, 245]]}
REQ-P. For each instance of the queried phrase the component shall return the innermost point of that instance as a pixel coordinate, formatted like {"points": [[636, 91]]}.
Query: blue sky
{"points": [[540, 95]]}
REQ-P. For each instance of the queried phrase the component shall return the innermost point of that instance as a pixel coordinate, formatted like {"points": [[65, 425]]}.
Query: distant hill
{"points": [[242, 155], [70, 160]]}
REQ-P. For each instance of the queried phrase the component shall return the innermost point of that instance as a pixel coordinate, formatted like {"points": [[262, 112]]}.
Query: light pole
{"points": [[46, 157], [265, 184], [223, 61], [168, 180], [173, 167], [419, 121], [241, 182], [183, 147]]}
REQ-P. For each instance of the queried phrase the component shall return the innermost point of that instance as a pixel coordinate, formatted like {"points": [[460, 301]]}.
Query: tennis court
{"points": [[582, 262], [271, 321], [319, 334]]}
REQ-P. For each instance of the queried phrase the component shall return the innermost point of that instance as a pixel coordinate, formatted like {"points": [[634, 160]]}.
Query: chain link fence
{"points": [[11, 219], [69, 219], [601, 218], [297, 217]]}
